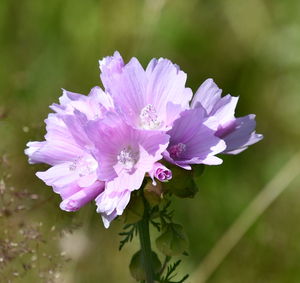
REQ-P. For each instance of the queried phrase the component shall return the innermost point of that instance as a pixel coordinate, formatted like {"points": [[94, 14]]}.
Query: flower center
{"points": [[176, 150], [149, 118], [128, 158]]}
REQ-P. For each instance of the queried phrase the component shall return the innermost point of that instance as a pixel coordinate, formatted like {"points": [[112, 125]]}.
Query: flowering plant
{"points": [[121, 146]]}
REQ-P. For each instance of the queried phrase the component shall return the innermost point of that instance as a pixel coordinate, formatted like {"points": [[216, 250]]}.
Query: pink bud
{"points": [[160, 172]]}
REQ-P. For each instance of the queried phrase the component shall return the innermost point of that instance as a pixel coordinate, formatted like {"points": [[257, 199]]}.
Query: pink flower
{"points": [[73, 172], [101, 146], [124, 155]]}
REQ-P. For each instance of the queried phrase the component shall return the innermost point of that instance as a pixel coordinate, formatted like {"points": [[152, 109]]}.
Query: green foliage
{"points": [[130, 230], [170, 274], [173, 240], [197, 172], [160, 214], [182, 183], [136, 266], [134, 211]]}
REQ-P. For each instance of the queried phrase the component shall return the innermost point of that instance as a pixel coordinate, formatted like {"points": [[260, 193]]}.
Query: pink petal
{"points": [[82, 197]]}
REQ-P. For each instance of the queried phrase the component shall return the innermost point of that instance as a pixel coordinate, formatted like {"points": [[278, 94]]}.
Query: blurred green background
{"points": [[250, 48]]}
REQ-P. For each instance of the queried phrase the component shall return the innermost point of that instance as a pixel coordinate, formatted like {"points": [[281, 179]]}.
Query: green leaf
{"points": [[137, 268], [170, 274], [182, 183], [173, 241]]}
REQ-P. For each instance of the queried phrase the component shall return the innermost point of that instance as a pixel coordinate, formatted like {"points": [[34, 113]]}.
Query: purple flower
{"points": [[148, 99], [193, 140], [238, 133], [160, 172], [124, 155]]}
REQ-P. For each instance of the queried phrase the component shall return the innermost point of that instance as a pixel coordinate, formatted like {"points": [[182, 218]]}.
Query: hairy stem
{"points": [[144, 235]]}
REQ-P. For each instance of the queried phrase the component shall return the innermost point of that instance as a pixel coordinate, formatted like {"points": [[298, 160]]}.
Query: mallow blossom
{"points": [[149, 99], [124, 155], [102, 146]]}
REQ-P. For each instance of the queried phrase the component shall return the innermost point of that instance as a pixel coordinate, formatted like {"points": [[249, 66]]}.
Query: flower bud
{"points": [[160, 172]]}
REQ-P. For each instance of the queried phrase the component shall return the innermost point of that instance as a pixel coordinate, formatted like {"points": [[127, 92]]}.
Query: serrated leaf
{"points": [[173, 241]]}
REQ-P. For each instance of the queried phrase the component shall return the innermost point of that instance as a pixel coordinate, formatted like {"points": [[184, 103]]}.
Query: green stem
{"points": [[144, 235]]}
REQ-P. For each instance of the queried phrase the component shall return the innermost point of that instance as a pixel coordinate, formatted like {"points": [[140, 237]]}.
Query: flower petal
{"points": [[242, 136], [82, 197], [166, 84], [112, 203], [207, 95]]}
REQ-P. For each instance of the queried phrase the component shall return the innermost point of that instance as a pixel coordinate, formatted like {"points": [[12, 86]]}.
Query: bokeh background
{"points": [[250, 48]]}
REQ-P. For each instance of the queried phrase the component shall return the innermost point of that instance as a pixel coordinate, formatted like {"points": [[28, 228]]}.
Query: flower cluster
{"points": [[101, 146]]}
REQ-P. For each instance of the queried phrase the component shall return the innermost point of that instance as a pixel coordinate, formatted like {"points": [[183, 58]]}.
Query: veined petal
{"points": [[112, 203], [127, 181], [32, 149], [81, 170], [225, 108], [76, 126], [127, 86], [110, 67], [242, 136], [207, 95], [93, 105], [166, 83], [238, 133], [59, 175], [143, 98], [59, 140]]}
